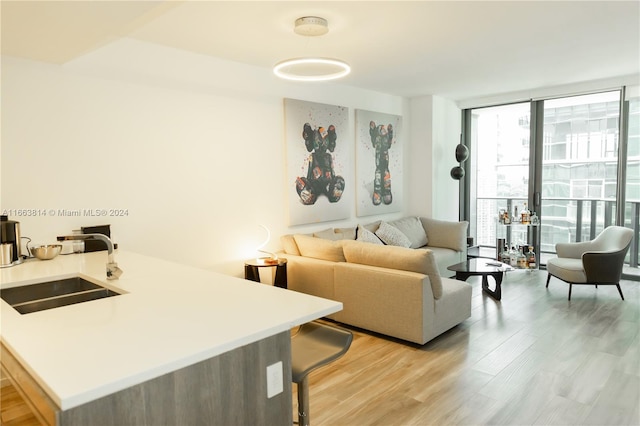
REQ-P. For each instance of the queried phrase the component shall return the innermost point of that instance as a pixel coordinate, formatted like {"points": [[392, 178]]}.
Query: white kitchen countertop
{"points": [[169, 316]]}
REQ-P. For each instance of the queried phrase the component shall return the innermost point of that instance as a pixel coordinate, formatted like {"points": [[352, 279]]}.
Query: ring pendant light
{"points": [[311, 68]]}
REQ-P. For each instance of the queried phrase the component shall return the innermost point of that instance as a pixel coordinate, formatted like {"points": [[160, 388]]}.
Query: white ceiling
{"points": [[455, 49]]}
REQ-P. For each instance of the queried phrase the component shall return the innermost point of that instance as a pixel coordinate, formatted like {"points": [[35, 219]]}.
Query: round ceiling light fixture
{"points": [[311, 26], [311, 68]]}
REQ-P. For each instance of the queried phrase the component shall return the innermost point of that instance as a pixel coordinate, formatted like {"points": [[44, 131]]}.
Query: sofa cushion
{"points": [[447, 234], [289, 244], [392, 236], [393, 257], [373, 226], [366, 236], [413, 229], [346, 233], [319, 248], [327, 234]]}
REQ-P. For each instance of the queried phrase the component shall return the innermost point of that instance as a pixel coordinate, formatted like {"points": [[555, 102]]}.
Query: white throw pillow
{"points": [[413, 229], [392, 236], [366, 236]]}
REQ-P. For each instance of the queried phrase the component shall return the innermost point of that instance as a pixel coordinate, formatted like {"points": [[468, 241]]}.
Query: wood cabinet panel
{"points": [[230, 389]]}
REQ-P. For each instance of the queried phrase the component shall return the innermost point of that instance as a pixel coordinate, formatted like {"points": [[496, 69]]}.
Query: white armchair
{"points": [[598, 261]]}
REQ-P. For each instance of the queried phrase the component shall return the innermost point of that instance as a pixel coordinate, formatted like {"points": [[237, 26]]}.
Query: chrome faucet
{"points": [[113, 272]]}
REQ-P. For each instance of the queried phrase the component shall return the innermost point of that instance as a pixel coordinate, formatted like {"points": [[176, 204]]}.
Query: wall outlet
{"points": [[275, 380]]}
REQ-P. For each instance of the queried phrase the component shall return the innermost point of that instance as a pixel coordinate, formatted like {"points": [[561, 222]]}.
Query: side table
{"points": [[252, 270]]}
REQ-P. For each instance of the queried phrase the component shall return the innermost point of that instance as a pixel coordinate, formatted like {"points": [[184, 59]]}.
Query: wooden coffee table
{"points": [[484, 268]]}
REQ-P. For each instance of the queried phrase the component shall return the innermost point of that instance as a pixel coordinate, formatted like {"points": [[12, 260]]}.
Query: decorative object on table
{"points": [[596, 262], [272, 259], [46, 252], [379, 165], [319, 162], [462, 154], [311, 68]]}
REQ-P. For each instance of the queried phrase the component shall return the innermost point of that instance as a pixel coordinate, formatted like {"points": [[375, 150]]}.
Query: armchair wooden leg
{"points": [[548, 278], [570, 287], [620, 291]]}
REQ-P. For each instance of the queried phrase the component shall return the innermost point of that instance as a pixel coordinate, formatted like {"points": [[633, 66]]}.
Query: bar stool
{"points": [[313, 346]]}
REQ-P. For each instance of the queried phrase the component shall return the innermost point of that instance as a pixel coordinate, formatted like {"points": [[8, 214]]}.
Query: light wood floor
{"points": [[13, 410], [533, 358]]}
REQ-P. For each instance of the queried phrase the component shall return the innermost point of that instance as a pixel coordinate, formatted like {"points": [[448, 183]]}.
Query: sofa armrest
{"points": [[447, 234], [310, 276], [392, 302]]}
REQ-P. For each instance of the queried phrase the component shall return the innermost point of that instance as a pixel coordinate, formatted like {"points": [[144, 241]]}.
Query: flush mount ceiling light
{"points": [[311, 68]]}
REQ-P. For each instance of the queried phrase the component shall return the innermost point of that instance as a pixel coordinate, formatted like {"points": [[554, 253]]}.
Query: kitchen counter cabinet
{"points": [[180, 345]]}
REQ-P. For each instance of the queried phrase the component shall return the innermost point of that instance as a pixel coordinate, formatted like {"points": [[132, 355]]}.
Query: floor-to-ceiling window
{"points": [[632, 189], [500, 141], [579, 167], [560, 156]]}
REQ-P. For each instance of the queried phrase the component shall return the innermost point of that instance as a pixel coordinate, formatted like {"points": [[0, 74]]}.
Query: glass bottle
{"points": [[525, 214], [513, 257], [521, 260], [504, 256], [531, 258]]}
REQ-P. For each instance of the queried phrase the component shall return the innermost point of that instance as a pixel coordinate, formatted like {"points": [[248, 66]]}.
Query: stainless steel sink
{"points": [[53, 294]]}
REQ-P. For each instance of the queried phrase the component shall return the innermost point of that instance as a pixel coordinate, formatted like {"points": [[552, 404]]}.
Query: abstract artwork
{"points": [[379, 171], [319, 158]]}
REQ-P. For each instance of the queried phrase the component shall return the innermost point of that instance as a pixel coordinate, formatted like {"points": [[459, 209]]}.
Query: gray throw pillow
{"points": [[392, 236], [366, 236]]}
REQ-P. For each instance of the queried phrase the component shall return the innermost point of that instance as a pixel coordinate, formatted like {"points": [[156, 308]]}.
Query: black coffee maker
{"points": [[10, 236]]}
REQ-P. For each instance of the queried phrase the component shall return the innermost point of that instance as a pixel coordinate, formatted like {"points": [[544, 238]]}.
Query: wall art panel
{"points": [[379, 169], [319, 162]]}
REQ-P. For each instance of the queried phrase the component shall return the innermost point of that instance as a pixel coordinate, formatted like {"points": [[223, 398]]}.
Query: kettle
{"points": [[10, 251]]}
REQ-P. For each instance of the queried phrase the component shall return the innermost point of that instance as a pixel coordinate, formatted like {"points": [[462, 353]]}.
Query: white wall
{"points": [[435, 132], [192, 147]]}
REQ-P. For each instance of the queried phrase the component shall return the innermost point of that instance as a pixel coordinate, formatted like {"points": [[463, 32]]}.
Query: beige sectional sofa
{"points": [[395, 288]]}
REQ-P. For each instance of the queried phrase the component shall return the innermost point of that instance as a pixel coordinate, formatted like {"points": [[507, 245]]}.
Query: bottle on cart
{"points": [[521, 260], [515, 214], [504, 256], [534, 219], [525, 215], [513, 256], [531, 258]]}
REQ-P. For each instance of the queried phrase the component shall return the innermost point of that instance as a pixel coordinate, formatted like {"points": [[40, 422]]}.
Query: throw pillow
{"points": [[346, 233], [366, 236], [392, 236], [413, 229], [373, 226], [327, 234], [319, 248]]}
